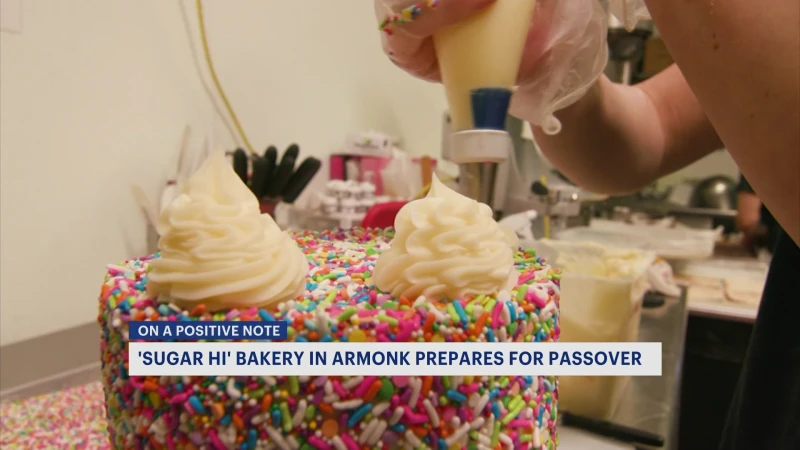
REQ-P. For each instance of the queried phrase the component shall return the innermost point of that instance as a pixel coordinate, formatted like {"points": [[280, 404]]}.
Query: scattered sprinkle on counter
{"points": [[71, 418], [340, 303]]}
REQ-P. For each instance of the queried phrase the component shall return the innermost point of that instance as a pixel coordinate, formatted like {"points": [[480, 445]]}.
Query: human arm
{"points": [[741, 67], [742, 61], [617, 139]]}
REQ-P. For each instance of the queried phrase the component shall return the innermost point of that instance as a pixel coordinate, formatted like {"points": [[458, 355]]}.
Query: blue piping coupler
{"points": [[490, 108]]}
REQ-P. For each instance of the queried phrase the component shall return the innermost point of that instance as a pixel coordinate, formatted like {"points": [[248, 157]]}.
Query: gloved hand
{"points": [[565, 50]]}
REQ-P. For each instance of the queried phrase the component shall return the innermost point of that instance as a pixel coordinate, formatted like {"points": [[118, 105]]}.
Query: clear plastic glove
{"points": [[562, 60], [565, 50], [629, 12]]}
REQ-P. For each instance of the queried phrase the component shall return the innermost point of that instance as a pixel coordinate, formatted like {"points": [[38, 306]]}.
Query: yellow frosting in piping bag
{"points": [[218, 249], [447, 245]]}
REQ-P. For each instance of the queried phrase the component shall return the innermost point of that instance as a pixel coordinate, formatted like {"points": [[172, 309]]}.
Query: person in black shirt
{"points": [[734, 85]]}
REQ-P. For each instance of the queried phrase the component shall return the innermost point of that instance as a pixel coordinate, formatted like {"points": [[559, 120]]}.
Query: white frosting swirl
{"points": [[218, 249], [447, 245]]}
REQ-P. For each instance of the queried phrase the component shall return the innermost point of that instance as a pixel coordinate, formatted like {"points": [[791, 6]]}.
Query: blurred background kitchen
{"points": [[106, 107]]}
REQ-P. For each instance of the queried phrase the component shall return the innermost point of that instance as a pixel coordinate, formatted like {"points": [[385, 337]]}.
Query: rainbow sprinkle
{"points": [[340, 413], [406, 15], [72, 418]]}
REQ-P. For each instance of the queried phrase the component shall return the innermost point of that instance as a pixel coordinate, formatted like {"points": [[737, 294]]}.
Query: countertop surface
{"points": [[723, 287], [575, 439], [649, 404]]}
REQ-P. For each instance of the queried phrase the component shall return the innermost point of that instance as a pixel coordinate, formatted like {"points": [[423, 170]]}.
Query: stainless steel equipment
{"points": [[626, 50], [717, 192], [617, 208], [560, 203], [510, 190]]}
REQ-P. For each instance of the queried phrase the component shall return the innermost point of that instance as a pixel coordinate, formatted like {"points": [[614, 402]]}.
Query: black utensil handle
{"points": [[283, 172], [612, 430], [259, 176], [271, 154], [293, 151], [282, 175], [271, 157], [301, 178], [240, 164]]}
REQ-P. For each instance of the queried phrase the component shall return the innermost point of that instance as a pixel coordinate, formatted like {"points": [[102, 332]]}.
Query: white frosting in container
{"points": [[218, 249], [447, 245]]}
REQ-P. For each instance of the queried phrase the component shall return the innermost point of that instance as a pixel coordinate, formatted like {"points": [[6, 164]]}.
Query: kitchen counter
{"points": [[723, 287], [723, 311], [649, 404]]}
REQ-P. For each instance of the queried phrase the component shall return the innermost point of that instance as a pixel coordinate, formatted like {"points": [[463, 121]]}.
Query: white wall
{"points": [[95, 95], [311, 71]]}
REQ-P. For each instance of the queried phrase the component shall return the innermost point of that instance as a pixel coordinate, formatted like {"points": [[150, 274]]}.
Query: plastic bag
{"points": [[629, 12]]}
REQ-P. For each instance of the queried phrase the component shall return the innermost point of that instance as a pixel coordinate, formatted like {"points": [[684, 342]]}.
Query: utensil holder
{"points": [[268, 207]]}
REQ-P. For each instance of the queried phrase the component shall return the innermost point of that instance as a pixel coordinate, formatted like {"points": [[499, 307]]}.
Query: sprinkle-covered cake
{"points": [[448, 273]]}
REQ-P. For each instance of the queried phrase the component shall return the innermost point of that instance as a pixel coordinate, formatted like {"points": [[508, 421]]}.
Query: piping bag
{"points": [[479, 60]]}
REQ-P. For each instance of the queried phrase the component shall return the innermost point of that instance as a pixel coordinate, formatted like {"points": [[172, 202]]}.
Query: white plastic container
{"points": [[350, 190], [668, 243], [368, 190], [334, 188], [330, 205], [355, 189], [348, 206], [602, 289]]}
